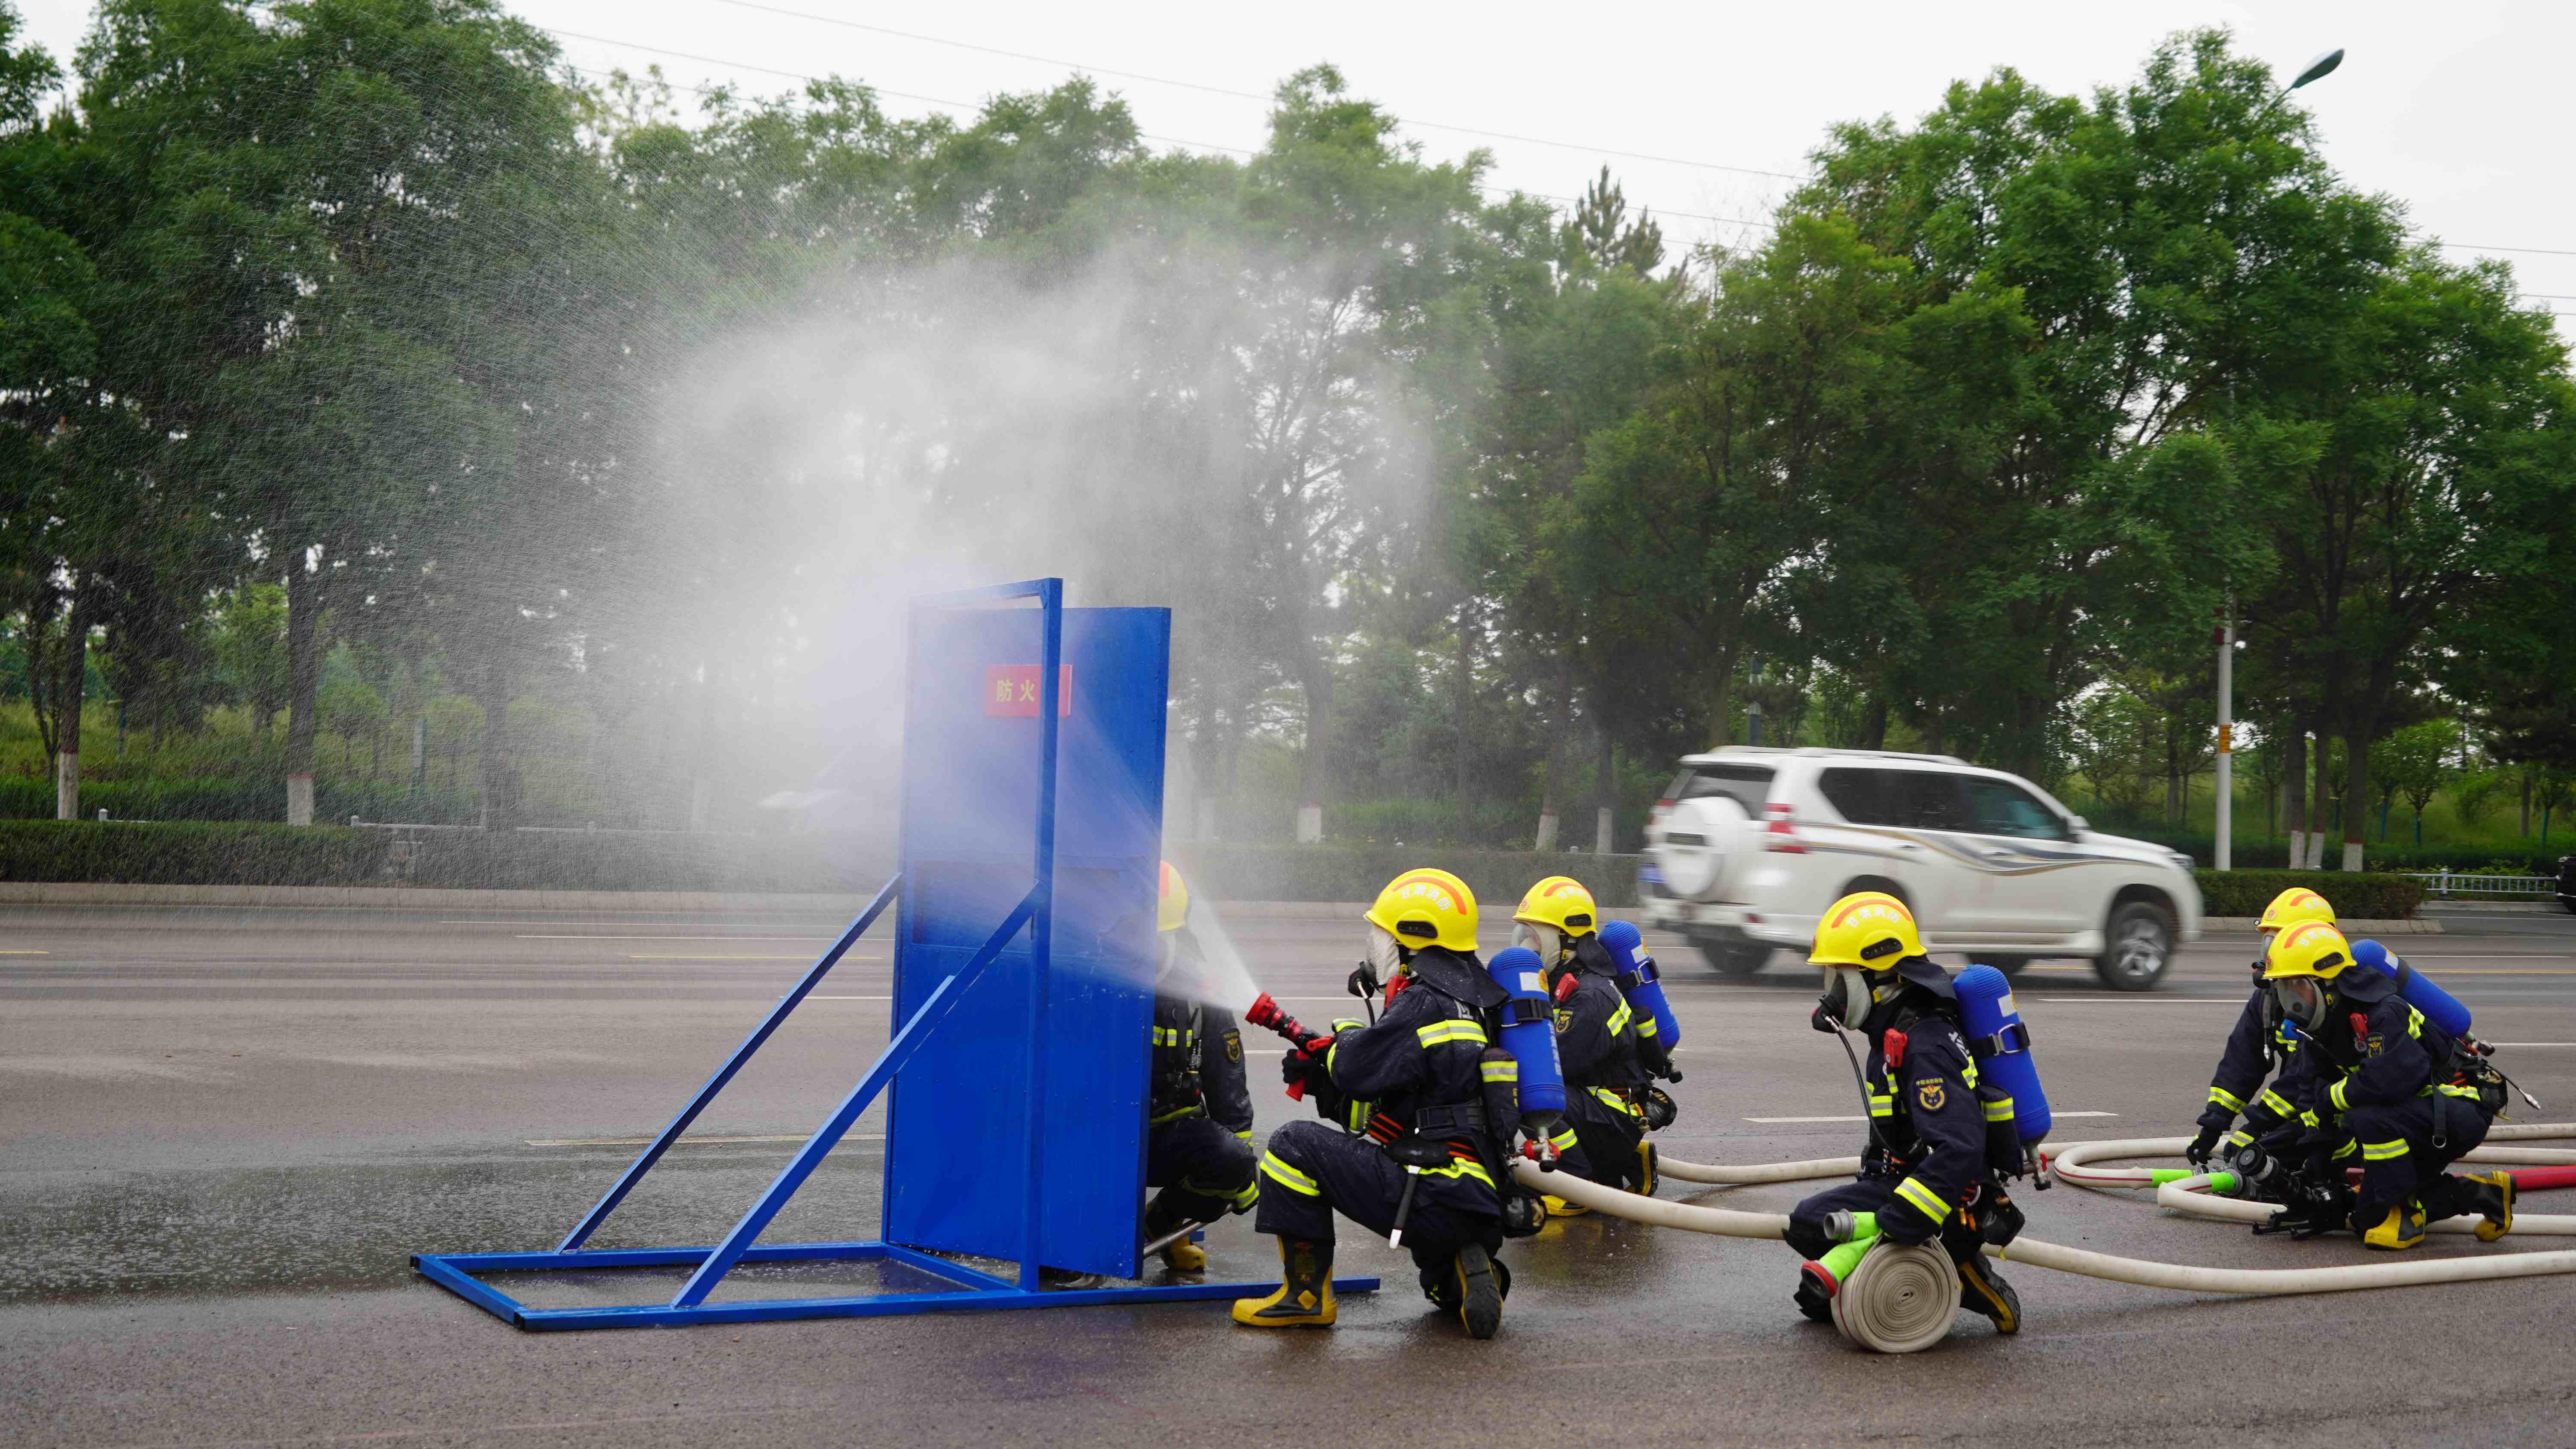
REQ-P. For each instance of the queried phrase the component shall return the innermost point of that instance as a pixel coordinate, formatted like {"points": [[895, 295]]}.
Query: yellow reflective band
{"points": [[1288, 1177], [1645, 1026], [1251, 1194], [1970, 1076], [2227, 1099], [1620, 1018], [2000, 1111], [2451, 1089], [1190, 1111], [1461, 1168], [1504, 1070], [2414, 1023], [1881, 1106], [1448, 1031], [2237, 1139], [1923, 1198], [2279, 1104], [2383, 1151], [2308, 1119], [1612, 1100], [1360, 1115], [1562, 1140], [1244, 1135], [1164, 1036], [2346, 1150], [2334, 1094]]}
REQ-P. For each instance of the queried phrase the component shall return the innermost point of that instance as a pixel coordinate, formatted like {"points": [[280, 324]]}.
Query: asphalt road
{"points": [[221, 1133]]}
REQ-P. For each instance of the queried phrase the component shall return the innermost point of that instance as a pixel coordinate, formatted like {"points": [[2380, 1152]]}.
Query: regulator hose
{"points": [[1903, 1306]]}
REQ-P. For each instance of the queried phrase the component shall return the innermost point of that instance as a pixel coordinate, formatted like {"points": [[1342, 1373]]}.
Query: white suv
{"points": [[1750, 845]]}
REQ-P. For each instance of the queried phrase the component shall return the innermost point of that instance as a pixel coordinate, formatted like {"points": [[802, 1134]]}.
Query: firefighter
{"points": [[2259, 1047], [1597, 1044], [1198, 1139], [2388, 1087], [1926, 1170], [1427, 1165]]}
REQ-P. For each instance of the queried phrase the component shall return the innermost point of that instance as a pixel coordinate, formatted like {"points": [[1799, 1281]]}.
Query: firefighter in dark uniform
{"points": [[1597, 1044], [1429, 1152], [1198, 1138], [1925, 1172], [2259, 1047], [2388, 1087]]}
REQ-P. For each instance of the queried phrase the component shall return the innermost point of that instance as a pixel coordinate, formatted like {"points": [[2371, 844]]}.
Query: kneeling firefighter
{"points": [[1198, 1137], [1424, 1170], [2258, 1047], [1597, 1042], [1931, 1165], [2387, 1085]]}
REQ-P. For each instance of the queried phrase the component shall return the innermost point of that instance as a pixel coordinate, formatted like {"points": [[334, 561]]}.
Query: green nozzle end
{"points": [[2223, 1182], [1843, 1259], [2162, 1175], [1864, 1227]]}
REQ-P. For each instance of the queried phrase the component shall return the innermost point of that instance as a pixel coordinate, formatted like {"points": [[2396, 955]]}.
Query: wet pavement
{"points": [[222, 1133]]}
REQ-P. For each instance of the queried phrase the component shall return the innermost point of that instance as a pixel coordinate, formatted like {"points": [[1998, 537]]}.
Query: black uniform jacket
{"points": [[2372, 1050], [1596, 1036], [1427, 1051], [1924, 1110], [1198, 1066], [2253, 1044]]}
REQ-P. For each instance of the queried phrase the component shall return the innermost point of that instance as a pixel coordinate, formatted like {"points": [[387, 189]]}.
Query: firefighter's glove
{"points": [[1822, 1019], [2197, 1154]]}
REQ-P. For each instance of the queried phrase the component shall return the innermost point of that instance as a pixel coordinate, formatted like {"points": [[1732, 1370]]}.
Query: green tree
{"points": [[2414, 764]]}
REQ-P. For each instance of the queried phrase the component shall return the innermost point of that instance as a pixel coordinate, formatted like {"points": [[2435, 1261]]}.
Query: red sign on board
{"points": [[1012, 689]]}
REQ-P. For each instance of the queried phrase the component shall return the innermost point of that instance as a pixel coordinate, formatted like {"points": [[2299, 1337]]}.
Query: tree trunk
{"points": [[1874, 726], [2319, 822], [2356, 793], [2294, 796], [1553, 769], [1605, 787], [2522, 830], [500, 759], [75, 665], [1462, 710], [303, 682], [1315, 676], [1721, 726]]}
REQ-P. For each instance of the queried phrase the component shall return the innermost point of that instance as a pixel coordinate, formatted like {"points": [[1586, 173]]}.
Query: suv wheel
{"points": [[2139, 947], [1734, 958], [2009, 965]]}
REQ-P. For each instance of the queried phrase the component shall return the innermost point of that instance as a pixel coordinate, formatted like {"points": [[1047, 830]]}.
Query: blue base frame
{"points": [[976, 1290]]}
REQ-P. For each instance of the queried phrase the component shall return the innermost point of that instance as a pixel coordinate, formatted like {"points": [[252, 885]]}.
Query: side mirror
{"points": [[2077, 824]]}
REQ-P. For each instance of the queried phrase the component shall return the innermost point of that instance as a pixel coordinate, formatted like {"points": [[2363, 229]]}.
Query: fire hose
{"points": [[1902, 1300]]}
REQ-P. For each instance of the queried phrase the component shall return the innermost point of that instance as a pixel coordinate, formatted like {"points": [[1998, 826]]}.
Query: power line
{"points": [[1246, 95], [2535, 251]]}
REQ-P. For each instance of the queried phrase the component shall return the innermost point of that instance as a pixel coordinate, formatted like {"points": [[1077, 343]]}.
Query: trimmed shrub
{"points": [[1359, 872], [215, 798], [2363, 896], [191, 853]]}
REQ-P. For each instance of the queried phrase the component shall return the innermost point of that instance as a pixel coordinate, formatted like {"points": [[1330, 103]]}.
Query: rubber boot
{"points": [[1180, 1255], [1305, 1295], [1480, 1291], [2490, 1195], [2403, 1228], [1983, 1290], [1558, 1207], [1645, 1169]]}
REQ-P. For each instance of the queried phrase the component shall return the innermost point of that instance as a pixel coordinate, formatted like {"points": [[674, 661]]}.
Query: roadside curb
{"points": [[56, 893], [2244, 926]]}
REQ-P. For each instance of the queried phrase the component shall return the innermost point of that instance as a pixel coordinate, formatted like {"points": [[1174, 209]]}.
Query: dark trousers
{"points": [[2395, 1175], [1320, 1170], [1204, 1170], [1605, 1143], [1807, 1220]]}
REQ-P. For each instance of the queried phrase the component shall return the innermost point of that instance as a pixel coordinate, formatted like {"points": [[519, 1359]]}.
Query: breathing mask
{"points": [[1851, 993], [2302, 999], [1385, 953], [1528, 938]]}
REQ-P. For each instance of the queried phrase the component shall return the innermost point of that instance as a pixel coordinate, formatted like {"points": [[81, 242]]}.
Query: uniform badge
{"points": [[1928, 1092], [1564, 1022], [1234, 1046]]}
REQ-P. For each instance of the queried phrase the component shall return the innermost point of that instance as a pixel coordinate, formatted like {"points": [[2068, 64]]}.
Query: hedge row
{"points": [[191, 853], [2360, 896], [2275, 854], [216, 798], [1358, 872]]}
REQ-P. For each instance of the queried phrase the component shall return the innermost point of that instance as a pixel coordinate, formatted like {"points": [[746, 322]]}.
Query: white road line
{"points": [[2533, 1043], [825, 940], [658, 956], [849, 998], [1771, 1120], [688, 1141], [2107, 1000]]}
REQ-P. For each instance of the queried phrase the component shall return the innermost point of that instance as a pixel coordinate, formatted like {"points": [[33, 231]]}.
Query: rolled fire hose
{"points": [[1887, 1304], [2188, 1191], [1900, 1299]]}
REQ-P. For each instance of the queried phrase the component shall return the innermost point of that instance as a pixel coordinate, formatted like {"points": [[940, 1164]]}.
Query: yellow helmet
{"points": [[1562, 902], [2292, 907], [2310, 948], [1171, 900], [1426, 908], [1868, 929]]}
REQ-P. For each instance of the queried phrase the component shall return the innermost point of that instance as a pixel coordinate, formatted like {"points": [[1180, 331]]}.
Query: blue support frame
{"points": [[972, 1289]]}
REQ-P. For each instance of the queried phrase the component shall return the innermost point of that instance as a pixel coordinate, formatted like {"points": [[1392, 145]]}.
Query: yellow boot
{"points": [[2403, 1228], [2494, 1198], [1558, 1207], [1305, 1296], [1180, 1255], [1645, 1169]]}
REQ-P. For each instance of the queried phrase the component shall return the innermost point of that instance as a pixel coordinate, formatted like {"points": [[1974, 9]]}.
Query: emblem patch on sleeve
{"points": [[1564, 1022], [1234, 1046], [1928, 1092]]}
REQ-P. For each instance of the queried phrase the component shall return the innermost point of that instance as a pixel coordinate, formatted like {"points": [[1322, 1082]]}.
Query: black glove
{"points": [[2197, 1154], [1822, 1019]]}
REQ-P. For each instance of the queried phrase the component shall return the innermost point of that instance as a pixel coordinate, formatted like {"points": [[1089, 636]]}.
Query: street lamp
{"points": [[2319, 68]]}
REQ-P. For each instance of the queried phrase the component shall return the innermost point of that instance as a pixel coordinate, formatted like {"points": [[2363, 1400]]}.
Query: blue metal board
{"points": [[959, 1161]]}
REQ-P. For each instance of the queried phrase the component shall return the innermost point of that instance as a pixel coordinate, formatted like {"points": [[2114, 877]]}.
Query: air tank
{"points": [[1642, 983], [1529, 1034], [2002, 1046], [2439, 1007]]}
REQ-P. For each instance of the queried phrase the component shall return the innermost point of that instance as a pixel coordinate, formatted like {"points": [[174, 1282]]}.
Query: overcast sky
{"points": [[2460, 110]]}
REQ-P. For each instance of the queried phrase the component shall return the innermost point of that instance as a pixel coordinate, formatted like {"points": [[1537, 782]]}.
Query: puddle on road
{"points": [[68, 1237]]}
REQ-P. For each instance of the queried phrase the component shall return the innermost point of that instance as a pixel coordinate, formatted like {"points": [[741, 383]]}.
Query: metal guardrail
{"points": [[2444, 884]]}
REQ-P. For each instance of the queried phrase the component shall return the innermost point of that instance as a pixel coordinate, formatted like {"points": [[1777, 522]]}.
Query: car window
{"points": [[1930, 800], [1908, 799], [1746, 785], [1999, 807], [1859, 796]]}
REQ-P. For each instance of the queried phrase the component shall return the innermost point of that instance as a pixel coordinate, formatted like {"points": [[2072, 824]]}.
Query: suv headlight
{"points": [[2181, 861]]}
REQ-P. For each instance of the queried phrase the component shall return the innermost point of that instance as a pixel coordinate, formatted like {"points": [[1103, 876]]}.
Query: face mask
{"points": [[1848, 997], [2303, 1000], [1384, 952]]}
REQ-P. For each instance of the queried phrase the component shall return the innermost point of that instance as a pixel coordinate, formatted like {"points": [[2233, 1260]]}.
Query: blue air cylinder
{"points": [[1641, 982], [2002, 1046], [1529, 1034], [2439, 1007]]}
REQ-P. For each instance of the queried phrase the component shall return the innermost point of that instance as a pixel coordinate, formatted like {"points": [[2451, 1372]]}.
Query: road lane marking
{"points": [[26, 953], [2533, 1043], [665, 957], [2107, 999], [849, 998], [826, 940], [690, 1141], [1772, 1120]]}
